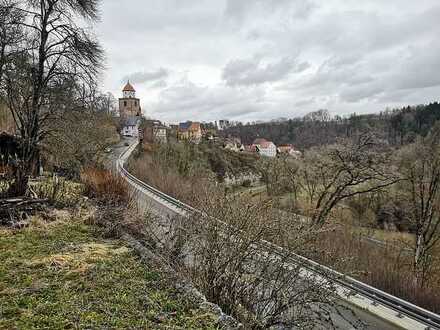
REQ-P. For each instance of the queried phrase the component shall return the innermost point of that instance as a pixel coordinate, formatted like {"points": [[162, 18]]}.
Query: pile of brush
{"points": [[15, 212]]}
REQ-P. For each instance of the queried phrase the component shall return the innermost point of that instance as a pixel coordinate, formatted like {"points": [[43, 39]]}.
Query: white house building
{"points": [[265, 148], [131, 127]]}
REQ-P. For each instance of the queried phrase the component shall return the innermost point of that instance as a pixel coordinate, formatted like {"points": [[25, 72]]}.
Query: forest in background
{"points": [[396, 127]]}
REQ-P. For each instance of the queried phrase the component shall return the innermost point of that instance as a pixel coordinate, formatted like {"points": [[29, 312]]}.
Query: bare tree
{"points": [[338, 172], [56, 52], [322, 115], [420, 168]]}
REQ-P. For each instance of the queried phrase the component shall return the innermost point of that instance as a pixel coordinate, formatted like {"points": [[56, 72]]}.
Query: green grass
{"points": [[62, 276]]}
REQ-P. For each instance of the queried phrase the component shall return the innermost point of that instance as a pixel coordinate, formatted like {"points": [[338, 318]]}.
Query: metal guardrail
{"points": [[401, 307]]}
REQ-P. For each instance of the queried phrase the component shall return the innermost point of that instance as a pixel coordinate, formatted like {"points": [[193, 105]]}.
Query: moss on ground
{"points": [[63, 276]]}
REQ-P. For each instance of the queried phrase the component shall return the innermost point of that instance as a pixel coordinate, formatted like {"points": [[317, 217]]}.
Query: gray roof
{"points": [[131, 121], [185, 126]]}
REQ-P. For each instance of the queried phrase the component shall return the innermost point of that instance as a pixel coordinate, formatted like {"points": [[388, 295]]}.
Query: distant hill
{"points": [[398, 127]]}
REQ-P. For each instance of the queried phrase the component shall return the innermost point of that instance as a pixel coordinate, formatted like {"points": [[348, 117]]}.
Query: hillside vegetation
{"points": [[192, 164], [349, 189]]}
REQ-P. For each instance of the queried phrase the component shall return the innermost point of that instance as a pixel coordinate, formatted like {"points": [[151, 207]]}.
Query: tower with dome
{"points": [[129, 105]]}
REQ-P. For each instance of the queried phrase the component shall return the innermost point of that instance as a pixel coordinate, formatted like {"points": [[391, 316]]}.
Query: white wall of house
{"points": [[160, 135], [130, 131], [270, 151]]}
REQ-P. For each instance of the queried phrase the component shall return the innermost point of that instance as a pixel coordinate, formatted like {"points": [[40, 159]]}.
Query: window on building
{"points": [[125, 103], [135, 103]]}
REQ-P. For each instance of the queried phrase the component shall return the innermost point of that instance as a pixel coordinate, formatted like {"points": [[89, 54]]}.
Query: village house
{"points": [[153, 131], [131, 126], [264, 148], [190, 131], [288, 149]]}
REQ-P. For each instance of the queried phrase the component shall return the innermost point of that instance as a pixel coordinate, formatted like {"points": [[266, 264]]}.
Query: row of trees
{"points": [[49, 64], [396, 127]]}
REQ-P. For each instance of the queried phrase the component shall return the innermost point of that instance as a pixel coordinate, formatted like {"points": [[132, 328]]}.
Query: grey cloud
{"points": [[239, 10], [253, 72], [159, 84], [203, 103], [146, 76], [342, 55], [356, 93], [418, 70]]}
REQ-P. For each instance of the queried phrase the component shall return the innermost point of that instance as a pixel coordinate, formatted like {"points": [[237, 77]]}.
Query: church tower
{"points": [[129, 105]]}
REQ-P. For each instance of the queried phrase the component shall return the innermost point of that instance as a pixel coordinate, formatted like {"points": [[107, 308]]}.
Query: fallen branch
{"points": [[17, 210]]}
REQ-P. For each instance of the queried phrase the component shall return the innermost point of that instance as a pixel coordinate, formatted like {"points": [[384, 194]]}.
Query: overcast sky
{"points": [[263, 59]]}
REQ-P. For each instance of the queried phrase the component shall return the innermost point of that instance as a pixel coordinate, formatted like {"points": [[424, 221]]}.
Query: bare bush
{"points": [[228, 260], [78, 140]]}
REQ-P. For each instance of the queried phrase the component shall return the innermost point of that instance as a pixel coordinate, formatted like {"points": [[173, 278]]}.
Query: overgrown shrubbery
{"points": [[209, 160], [104, 185], [79, 140]]}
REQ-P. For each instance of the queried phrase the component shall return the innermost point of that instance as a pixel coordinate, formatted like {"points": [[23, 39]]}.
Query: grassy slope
{"points": [[63, 276]]}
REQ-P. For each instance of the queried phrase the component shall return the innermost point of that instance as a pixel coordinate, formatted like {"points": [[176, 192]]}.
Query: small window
{"points": [[135, 103], [125, 103]]}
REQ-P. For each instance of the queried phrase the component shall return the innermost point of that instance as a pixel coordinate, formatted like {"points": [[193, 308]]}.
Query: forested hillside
{"points": [[398, 127]]}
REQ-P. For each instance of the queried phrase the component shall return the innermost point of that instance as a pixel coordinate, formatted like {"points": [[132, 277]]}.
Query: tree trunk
{"points": [[20, 184], [418, 261]]}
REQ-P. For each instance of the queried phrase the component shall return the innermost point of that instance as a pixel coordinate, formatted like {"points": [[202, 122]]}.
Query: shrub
{"points": [[246, 183], [102, 184]]}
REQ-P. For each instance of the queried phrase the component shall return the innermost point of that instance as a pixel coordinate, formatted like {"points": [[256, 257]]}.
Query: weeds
{"points": [[58, 191], [104, 185]]}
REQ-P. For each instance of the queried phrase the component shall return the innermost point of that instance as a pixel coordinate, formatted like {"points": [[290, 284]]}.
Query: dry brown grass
{"points": [[103, 184], [386, 268], [169, 181]]}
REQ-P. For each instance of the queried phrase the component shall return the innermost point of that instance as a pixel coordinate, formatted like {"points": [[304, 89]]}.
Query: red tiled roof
{"points": [[189, 126], [195, 127], [262, 143], [266, 144], [128, 88], [259, 141]]}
